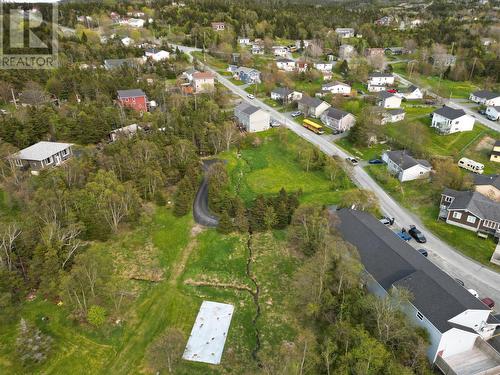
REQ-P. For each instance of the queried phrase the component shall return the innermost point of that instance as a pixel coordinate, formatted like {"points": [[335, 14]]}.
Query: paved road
{"points": [[475, 275], [201, 212], [457, 104]]}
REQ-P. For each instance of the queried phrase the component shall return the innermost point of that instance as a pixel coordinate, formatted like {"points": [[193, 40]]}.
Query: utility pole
{"points": [[472, 69], [204, 56], [13, 98]]}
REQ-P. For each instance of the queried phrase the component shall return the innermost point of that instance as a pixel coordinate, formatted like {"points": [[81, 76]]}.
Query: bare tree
{"points": [[8, 236]]}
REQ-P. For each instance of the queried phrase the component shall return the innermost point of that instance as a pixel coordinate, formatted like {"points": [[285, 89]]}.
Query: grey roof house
{"points": [[459, 325], [312, 107], [252, 118], [338, 120], [42, 155], [405, 167]]}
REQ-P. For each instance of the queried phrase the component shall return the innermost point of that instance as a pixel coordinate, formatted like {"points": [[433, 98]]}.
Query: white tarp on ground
{"points": [[208, 336]]}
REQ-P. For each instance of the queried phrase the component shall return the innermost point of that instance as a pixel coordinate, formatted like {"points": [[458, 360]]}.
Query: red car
{"points": [[488, 302], [392, 91]]}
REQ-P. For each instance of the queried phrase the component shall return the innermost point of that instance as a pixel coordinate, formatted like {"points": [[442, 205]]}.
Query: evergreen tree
{"points": [[225, 225], [182, 203], [240, 216], [257, 213], [270, 218]]}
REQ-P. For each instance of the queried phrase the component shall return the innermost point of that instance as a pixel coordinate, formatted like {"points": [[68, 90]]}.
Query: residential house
{"points": [[487, 41], [405, 167], [488, 185], [257, 49], [188, 74], [384, 21], [415, 23], [218, 26], [281, 51], [376, 88], [389, 100], [449, 120], [247, 75], [243, 40], [336, 87], [156, 55], [203, 82], [493, 113], [378, 79], [412, 93], [110, 64], [127, 42], [444, 60], [126, 132], [285, 64], [485, 97], [252, 118], [346, 52], [396, 50], [392, 116], [42, 155], [302, 44], [301, 66], [458, 325], [470, 210], [135, 99], [312, 107], [285, 95], [374, 52], [495, 152], [136, 22], [338, 120], [345, 32], [323, 66]]}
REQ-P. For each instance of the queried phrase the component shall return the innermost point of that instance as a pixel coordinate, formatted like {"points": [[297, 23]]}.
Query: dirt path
{"points": [[186, 253]]}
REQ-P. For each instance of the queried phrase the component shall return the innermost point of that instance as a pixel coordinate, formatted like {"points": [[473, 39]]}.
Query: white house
{"points": [[388, 100], [42, 155], [323, 66], [312, 107], [485, 97], [346, 51], [136, 22], [405, 167], [287, 65], [449, 120], [243, 40], [281, 51], [345, 32], [127, 132], [459, 325], [203, 82], [394, 115], [299, 43], [156, 55], [376, 88], [257, 50], [412, 93], [252, 118], [378, 78], [336, 87], [285, 95], [338, 120], [493, 113], [127, 42]]}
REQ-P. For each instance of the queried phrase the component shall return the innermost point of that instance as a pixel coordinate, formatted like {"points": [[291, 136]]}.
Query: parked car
{"points": [[387, 221], [416, 234], [361, 92], [296, 114], [275, 124], [392, 91], [403, 234], [250, 96], [473, 292], [353, 161], [375, 161], [491, 118], [460, 282], [488, 302], [482, 112], [423, 252]]}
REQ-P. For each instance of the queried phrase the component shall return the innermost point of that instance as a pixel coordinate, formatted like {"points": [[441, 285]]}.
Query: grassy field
{"points": [[274, 164], [417, 197]]}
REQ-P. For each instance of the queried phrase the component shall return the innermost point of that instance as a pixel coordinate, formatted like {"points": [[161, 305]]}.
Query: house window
{"points": [[48, 160], [65, 152], [448, 199], [457, 215], [489, 224], [420, 315], [471, 219]]}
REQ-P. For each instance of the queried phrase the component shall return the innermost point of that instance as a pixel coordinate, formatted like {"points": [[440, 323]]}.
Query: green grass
{"points": [[211, 60], [237, 82], [274, 164], [417, 197]]}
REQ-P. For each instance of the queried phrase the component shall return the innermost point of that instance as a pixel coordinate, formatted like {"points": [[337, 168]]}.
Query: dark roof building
{"points": [[475, 203], [336, 114], [449, 113], [132, 93], [405, 160], [485, 94], [487, 179]]}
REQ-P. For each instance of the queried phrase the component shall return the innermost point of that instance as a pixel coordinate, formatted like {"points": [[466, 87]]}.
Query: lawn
{"points": [[211, 60], [274, 164], [417, 197]]}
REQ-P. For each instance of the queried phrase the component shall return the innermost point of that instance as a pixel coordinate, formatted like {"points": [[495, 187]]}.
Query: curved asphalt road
{"points": [[201, 212], [474, 274]]}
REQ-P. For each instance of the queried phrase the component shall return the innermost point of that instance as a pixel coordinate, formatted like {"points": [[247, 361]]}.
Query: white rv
{"points": [[471, 165]]}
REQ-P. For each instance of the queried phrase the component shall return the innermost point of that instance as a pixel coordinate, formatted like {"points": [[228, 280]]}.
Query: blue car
{"points": [[375, 161], [403, 234]]}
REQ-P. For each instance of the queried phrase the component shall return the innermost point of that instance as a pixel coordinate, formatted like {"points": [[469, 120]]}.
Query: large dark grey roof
{"points": [[485, 94], [404, 160], [285, 60], [384, 95], [394, 112], [487, 179], [450, 113], [130, 93], [336, 114], [282, 91], [391, 261], [379, 74], [474, 202], [310, 102], [247, 108]]}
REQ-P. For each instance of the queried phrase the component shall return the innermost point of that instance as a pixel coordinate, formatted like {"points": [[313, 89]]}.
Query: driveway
{"points": [[201, 212]]}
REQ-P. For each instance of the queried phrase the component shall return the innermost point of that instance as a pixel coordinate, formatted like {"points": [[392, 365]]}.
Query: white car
{"points": [[250, 96], [473, 292]]}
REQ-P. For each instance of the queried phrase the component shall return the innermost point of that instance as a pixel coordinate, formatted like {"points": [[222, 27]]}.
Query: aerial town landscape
{"points": [[250, 187]]}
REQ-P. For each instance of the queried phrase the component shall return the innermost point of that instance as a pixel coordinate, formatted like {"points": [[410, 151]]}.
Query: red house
{"points": [[135, 99]]}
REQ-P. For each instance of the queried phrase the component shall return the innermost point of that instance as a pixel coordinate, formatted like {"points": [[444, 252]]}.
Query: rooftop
{"points": [[203, 75], [485, 94], [336, 114], [130, 93], [41, 150], [406, 161], [450, 113], [487, 179], [474, 202], [247, 108], [311, 102]]}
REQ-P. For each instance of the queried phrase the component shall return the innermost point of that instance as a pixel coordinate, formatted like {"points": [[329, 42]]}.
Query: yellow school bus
{"points": [[312, 126]]}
